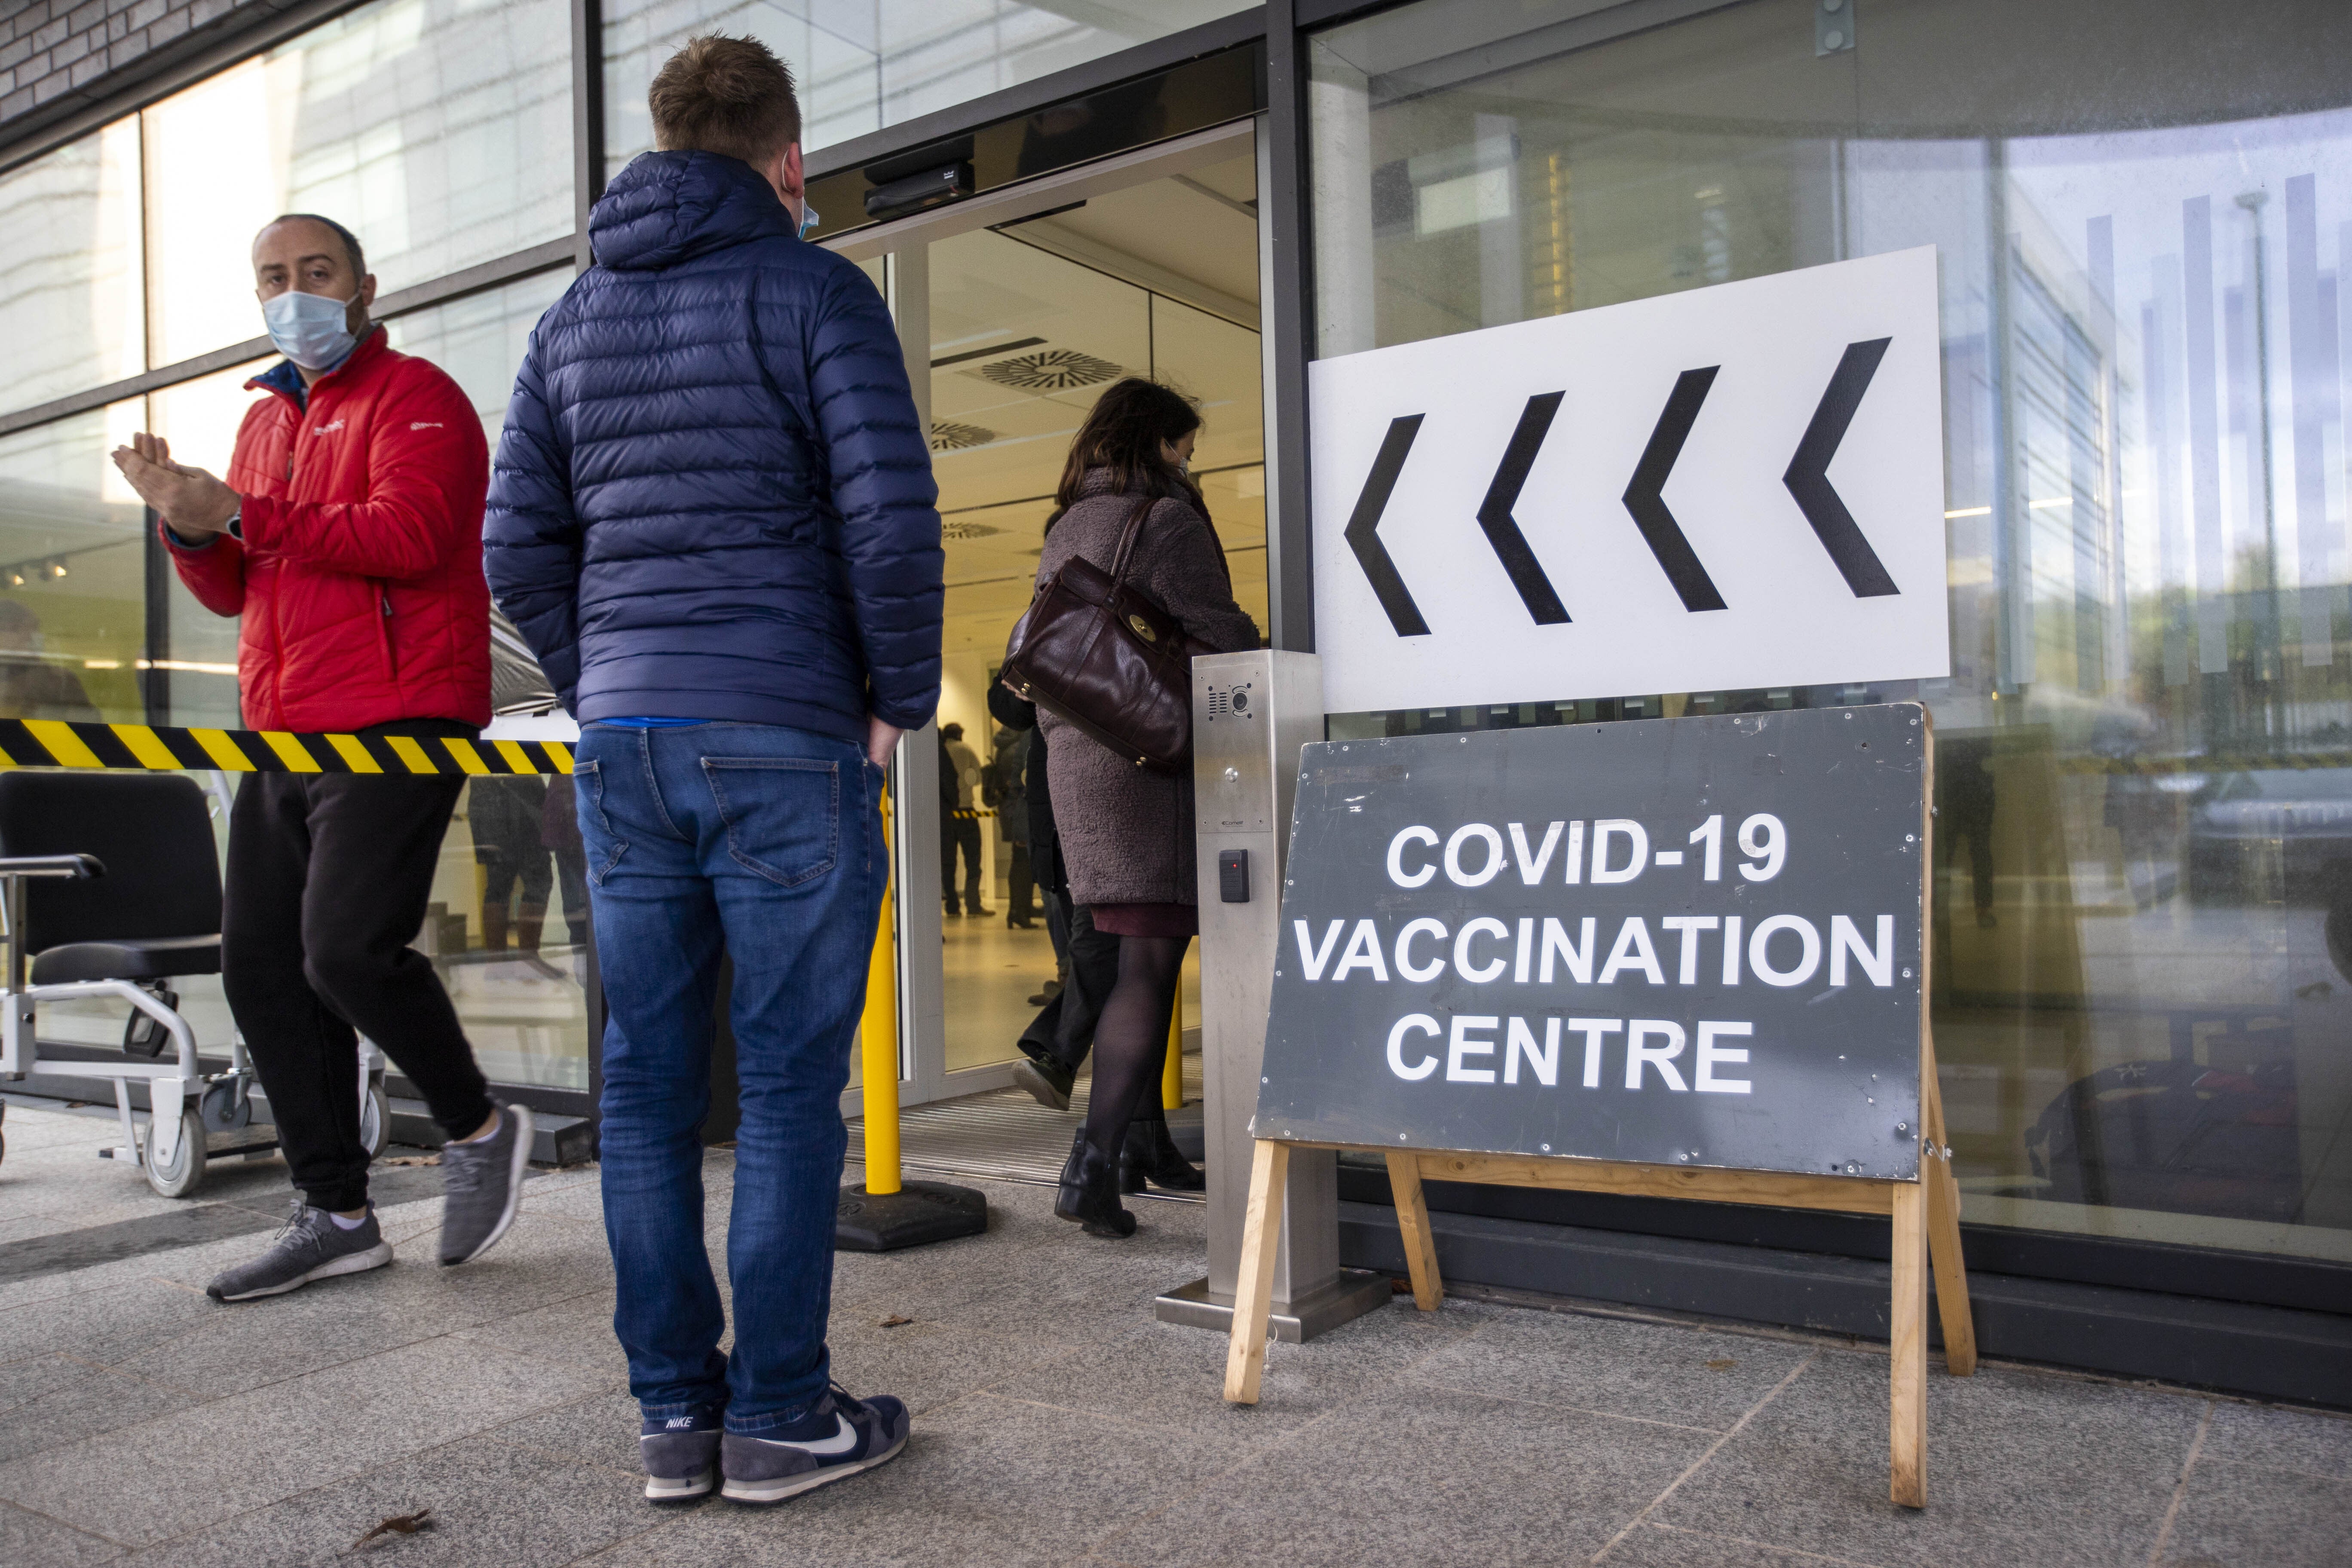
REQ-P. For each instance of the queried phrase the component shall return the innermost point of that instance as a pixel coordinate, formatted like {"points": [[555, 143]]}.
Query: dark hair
{"points": [[725, 95], [351, 241], [1124, 432], [950, 732]]}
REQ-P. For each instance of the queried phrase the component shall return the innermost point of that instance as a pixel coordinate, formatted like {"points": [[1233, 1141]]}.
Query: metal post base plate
{"points": [[1356, 1292], [918, 1214]]}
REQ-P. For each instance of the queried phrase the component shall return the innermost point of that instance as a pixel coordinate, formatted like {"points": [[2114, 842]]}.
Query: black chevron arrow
{"points": [[1808, 478], [1644, 498], [1510, 546], [1363, 532]]}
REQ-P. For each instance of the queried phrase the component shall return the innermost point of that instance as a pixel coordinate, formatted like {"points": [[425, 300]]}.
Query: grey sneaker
{"points": [[834, 1441], [680, 1456], [312, 1246], [481, 1183]]}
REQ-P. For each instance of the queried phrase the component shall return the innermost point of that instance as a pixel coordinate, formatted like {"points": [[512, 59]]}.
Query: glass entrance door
{"points": [[1024, 315]]}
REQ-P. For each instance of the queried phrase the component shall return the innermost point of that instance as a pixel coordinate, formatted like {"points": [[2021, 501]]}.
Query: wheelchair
{"points": [[109, 887]]}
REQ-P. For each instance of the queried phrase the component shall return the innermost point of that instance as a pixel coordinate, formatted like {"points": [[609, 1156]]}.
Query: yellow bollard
{"points": [[1171, 1080], [878, 1048]]}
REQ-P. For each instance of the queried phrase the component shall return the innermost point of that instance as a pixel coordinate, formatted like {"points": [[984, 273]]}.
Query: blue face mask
{"points": [[808, 219], [310, 328]]}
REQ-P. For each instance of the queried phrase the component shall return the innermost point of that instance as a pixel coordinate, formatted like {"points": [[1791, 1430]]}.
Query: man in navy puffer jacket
{"points": [[712, 515]]}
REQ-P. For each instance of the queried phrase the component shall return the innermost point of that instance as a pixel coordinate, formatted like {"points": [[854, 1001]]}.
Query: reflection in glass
{"points": [[862, 67], [479, 339], [437, 131], [69, 294], [196, 679], [507, 929], [73, 617], [2142, 894]]}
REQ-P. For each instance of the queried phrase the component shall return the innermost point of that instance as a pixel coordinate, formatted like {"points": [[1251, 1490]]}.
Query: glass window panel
{"points": [[861, 67], [73, 601], [2143, 898], [479, 339], [197, 660], [507, 928], [437, 131], [69, 271]]}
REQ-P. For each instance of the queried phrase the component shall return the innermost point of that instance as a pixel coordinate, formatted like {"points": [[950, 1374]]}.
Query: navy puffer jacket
{"points": [[713, 499]]}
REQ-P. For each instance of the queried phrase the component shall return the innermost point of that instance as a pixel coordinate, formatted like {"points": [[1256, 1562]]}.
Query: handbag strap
{"points": [[1127, 540]]}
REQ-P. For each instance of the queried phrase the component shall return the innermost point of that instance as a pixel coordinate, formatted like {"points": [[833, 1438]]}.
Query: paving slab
{"points": [[2317, 1442], [2024, 1469], [2253, 1515], [1656, 1371], [226, 1457], [29, 1538], [490, 1502], [1653, 1545], [1425, 1475], [1057, 1422]]}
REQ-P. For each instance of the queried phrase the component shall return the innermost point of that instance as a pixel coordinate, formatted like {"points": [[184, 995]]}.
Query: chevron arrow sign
{"points": [[1734, 486]]}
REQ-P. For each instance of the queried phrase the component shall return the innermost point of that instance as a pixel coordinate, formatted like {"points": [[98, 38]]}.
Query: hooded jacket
{"points": [[713, 499], [356, 566]]}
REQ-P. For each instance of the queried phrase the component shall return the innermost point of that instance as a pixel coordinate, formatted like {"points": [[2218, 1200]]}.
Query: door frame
{"points": [[903, 248]]}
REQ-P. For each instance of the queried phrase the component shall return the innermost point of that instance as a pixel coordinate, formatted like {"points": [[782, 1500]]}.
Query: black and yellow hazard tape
{"points": [[56, 744]]}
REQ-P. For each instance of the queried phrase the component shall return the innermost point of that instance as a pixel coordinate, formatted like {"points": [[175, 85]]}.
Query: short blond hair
{"points": [[725, 95]]}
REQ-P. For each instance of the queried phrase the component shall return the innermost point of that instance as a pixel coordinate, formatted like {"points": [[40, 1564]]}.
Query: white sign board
{"points": [[1736, 487]]}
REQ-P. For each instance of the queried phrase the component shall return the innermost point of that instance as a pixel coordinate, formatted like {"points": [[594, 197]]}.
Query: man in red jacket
{"points": [[348, 537]]}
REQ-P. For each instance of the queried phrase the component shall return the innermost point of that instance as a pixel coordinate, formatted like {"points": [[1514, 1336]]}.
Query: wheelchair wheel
{"points": [[185, 1172], [376, 1119]]}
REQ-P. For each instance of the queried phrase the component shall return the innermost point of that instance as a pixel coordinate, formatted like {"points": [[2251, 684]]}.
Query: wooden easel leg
{"points": [[1907, 1348], [1944, 1244], [1413, 1223], [1254, 1290]]}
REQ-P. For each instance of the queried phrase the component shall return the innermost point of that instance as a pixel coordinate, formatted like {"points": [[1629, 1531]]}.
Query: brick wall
{"points": [[56, 56]]}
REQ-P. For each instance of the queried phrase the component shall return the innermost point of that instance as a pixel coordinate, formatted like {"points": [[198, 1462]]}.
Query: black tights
{"points": [[1131, 1040]]}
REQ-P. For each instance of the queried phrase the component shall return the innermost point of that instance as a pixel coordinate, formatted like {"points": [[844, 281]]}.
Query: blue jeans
{"points": [[765, 843]]}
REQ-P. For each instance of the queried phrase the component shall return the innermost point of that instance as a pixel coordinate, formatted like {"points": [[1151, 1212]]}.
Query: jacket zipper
{"points": [[384, 627]]}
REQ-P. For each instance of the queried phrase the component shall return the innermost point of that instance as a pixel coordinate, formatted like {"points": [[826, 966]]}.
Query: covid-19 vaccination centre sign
{"points": [[1729, 487], [1688, 942]]}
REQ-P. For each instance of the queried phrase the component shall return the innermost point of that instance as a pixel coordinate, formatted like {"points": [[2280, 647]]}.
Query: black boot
{"points": [[1089, 1192], [1047, 1081], [1150, 1153]]}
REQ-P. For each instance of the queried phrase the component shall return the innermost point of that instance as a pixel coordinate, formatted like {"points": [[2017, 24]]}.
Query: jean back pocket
{"points": [[782, 814]]}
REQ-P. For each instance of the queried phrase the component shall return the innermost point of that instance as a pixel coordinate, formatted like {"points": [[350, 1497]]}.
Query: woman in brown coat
{"points": [[1126, 831]]}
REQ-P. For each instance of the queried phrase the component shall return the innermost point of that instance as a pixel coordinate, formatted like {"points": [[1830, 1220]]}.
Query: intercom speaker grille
{"points": [[1052, 369]]}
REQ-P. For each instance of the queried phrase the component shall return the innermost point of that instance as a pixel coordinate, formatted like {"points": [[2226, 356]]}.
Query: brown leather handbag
{"points": [[1100, 652]]}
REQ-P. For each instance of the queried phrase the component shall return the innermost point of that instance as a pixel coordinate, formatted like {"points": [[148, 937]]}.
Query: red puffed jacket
{"points": [[357, 559]]}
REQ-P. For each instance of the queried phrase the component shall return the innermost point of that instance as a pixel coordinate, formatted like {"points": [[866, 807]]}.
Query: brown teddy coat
{"points": [[1127, 832]]}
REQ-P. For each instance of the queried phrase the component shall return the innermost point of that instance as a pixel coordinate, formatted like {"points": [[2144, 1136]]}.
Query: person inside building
{"points": [[960, 776], [32, 686], [506, 812], [1126, 833], [348, 539], [1004, 790], [714, 521]]}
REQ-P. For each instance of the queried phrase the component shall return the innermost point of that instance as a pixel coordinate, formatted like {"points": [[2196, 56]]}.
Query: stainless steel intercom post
{"points": [[1250, 715]]}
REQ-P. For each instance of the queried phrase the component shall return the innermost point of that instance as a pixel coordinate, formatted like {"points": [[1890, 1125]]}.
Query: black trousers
{"points": [[1023, 887], [327, 878], [959, 833], [1064, 1028]]}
